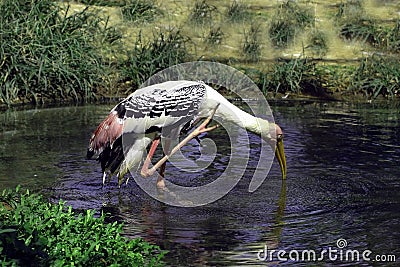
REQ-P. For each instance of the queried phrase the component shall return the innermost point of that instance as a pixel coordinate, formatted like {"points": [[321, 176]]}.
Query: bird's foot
{"points": [[161, 184]]}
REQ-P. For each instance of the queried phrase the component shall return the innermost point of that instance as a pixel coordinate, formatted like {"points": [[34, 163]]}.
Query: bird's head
{"points": [[273, 134]]}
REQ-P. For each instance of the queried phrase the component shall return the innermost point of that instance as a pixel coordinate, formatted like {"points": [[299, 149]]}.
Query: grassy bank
{"points": [[52, 51], [47, 54], [34, 232]]}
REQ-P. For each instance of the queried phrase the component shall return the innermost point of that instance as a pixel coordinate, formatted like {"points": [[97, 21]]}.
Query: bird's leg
{"points": [[145, 168], [160, 180], [106, 176], [199, 130]]}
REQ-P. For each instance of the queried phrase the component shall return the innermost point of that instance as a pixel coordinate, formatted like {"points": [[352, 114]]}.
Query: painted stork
{"points": [[167, 110]]}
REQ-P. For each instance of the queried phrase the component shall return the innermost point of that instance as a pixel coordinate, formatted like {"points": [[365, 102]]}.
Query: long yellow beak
{"points": [[280, 155]]}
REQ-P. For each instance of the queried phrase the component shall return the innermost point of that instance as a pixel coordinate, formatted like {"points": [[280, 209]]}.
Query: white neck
{"points": [[231, 113]]}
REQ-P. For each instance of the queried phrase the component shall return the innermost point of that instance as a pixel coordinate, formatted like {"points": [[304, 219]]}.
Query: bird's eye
{"points": [[279, 137]]}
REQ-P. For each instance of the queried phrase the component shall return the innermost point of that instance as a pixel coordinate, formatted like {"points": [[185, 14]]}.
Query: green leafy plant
{"points": [[36, 232]]}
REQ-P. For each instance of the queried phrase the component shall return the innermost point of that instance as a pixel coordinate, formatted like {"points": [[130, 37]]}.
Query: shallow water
{"points": [[343, 182]]}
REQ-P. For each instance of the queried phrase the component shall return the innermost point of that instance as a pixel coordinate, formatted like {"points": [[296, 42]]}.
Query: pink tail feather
{"points": [[105, 135]]}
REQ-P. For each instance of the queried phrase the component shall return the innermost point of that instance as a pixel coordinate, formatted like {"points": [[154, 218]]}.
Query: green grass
{"points": [[292, 76], [202, 13], [110, 3], [50, 52], [214, 36], [354, 24], [289, 18], [140, 10], [251, 47], [297, 77], [282, 32], [34, 232], [350, 9], [237, 12], [377, 76], [361, 29], [47, 54], [392, 40], [318, 43], [387, 38], [372, 78], [148, 57]]}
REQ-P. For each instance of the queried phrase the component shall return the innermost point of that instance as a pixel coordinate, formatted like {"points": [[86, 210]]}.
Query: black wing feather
{"points": [[179, 102]]}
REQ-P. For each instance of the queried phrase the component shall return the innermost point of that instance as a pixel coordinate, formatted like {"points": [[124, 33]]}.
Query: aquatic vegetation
{"points": [[296, 76], [377, 75], [37, 233], [293, 76]]}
